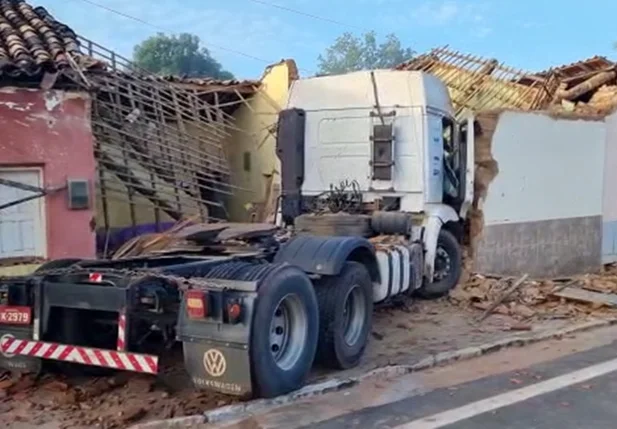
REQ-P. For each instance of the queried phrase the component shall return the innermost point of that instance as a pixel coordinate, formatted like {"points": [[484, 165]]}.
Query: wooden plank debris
{"points": [[582, 295], [503, 297]]}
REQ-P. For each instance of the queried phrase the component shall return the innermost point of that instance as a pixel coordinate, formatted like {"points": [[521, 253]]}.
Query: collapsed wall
{"points": [[486, 169], [538, 203]]}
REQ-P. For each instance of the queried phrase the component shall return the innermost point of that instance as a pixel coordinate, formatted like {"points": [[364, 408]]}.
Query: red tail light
{"points": [[196, 304], [95, 277], [234, 311]]}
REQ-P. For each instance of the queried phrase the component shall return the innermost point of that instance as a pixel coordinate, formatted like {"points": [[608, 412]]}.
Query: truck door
{"points": [[458, 166], [466, 138]]}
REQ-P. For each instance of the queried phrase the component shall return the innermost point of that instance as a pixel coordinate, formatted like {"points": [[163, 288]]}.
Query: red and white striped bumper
{"points": [[83, 355]]}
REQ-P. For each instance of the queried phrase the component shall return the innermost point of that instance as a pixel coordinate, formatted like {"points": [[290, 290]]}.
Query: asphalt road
{"points": [[566, 384], [577, 391]]}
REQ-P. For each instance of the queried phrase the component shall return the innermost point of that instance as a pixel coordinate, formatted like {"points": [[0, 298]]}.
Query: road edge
{"points": [[236, 411]]}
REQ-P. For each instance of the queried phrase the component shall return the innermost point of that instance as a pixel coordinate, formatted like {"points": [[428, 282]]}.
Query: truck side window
{"points": [[450, 182], [448, 134]]}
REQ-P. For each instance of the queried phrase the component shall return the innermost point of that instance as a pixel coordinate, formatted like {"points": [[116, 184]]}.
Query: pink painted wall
{"points": [[51, 130]]}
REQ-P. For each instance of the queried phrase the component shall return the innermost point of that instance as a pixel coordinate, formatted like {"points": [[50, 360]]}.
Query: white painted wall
{"points": [[609, 211], [548, 169], [610, 170]]}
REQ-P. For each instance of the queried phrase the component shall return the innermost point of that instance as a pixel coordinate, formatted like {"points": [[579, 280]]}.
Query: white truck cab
{"points": [[391, 132]]}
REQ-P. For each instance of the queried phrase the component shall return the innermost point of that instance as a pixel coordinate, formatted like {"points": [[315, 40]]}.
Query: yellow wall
{"points": [[257, 188], [18, 270]]}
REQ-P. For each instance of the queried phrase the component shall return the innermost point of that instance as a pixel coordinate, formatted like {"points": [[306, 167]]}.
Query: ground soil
{"points": [[480, 310], [402, 334]]}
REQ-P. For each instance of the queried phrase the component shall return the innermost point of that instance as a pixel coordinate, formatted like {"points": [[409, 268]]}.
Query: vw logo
{"points": [[215, 363], [3, 339]]}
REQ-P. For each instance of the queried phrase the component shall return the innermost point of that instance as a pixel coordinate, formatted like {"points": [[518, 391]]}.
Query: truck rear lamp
{"points": [[95, 277], [196, 304], [234, 312]]}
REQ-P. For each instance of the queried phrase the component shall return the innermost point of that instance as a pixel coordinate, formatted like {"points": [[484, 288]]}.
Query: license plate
{"points": [[15, 315]]}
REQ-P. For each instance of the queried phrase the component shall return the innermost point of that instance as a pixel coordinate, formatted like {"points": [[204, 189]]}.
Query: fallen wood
{"points": [[503, 297], [586, 86], [564, 286], [520, 327], [581, 295]]}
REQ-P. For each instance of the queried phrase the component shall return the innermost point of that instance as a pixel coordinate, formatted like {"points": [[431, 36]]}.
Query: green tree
{"points": [[178, 55], [351, 53]]}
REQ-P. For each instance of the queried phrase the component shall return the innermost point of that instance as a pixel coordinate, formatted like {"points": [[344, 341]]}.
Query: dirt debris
{"points": [[539, 299], [105, 402], [403, 333]]}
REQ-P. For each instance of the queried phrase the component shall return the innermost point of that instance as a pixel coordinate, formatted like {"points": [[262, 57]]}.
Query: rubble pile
{"points": [[108, 402], [603, 101], [589, 295]]}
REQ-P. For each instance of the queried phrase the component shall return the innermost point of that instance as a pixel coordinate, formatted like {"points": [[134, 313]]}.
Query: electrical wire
{"points": [[310, 15], [167, 30]]}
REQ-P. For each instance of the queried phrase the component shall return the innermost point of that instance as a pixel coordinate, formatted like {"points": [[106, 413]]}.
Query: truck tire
{"points": [[448, 267], [334, 224], [345, 316], [285, 332], [285, 324]]}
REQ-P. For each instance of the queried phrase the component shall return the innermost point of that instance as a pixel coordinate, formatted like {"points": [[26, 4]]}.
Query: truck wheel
{"points": [[448, 267], [345, 316], [285, 332]]}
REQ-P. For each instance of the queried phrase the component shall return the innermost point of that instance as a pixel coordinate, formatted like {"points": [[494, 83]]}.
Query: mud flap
{"points": [[17, 363], [216, 353], [219, 367]]}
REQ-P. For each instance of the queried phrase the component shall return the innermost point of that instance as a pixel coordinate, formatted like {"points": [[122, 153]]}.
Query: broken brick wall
{"points": [[50, 131], [539, 184]]}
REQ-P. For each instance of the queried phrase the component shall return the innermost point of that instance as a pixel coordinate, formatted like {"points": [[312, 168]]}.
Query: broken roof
{"points": [[588, 86], [206, 84], [478, 83], [32, 42], [590, 65]]}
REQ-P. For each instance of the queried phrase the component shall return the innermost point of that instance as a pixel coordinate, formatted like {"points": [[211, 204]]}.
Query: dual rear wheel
{"points": [[297, 323]]}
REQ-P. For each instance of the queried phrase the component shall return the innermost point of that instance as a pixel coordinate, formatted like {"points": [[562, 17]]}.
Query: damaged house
{"points": [[47, 168], [545, 148], [94, 147]]}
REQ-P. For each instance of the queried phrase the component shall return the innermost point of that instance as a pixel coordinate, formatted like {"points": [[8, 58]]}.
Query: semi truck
{"points": [[376, 183]]}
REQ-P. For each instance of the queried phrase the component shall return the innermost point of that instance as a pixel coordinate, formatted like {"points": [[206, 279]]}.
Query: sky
{"points": [[247, 35]]}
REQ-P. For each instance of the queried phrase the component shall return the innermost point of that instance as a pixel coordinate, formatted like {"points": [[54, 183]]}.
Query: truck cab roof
{"points": [[396, 88]]}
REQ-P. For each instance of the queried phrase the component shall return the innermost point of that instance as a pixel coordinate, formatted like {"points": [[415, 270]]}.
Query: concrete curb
{"points": [[444, 358], [236, 411]]}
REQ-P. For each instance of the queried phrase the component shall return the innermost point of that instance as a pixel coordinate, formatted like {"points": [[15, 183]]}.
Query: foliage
{"points": [[178, 55], [351, 53]]}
